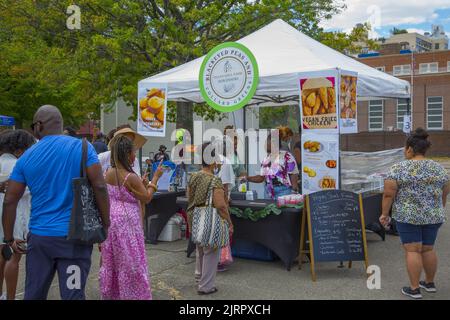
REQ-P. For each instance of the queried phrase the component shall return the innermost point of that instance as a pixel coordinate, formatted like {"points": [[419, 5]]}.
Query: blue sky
{"points": [[413, 15]]}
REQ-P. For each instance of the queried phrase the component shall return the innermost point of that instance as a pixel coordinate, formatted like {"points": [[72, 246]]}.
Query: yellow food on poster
{"points": [[155, 92], [155, 104], [160, 115], [147, 116], [311, 99], [143, 103]]}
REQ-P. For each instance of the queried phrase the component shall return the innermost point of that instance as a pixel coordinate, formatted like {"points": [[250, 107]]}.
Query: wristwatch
{"points": [[8, 242]]}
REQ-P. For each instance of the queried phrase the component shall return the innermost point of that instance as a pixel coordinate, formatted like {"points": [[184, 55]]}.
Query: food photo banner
{"points": [[348, 102], [318, 102], [152, 109], [320, 162]]}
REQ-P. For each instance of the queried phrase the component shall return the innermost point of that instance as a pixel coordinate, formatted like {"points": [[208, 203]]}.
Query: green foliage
{"points": [[272, 117], [248, 213], [121, 42], [256, 215], [352, 42], [395, 31]]}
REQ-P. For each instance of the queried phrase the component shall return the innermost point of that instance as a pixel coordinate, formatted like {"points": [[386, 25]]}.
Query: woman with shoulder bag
{"points": [[124, 272], [206, 210]]}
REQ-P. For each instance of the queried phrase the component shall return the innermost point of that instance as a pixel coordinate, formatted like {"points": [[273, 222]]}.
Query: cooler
{"points": [[251, 250]]}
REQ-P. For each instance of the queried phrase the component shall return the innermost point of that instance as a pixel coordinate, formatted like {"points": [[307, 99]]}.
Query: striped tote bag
{"points": [[208, 227]]}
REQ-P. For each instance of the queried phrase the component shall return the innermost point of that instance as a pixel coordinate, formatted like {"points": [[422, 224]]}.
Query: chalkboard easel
{"points": [[333, 222]]}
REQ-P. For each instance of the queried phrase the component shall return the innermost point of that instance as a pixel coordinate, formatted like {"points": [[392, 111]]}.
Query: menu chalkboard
{"points": [[335, 222]]}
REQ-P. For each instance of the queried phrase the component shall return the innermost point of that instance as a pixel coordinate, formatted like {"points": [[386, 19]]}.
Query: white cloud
{"points": [[412, 30], [386, 13]]}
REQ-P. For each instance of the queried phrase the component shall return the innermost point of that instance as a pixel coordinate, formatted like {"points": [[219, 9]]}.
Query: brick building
{"points": [[381, 121]]}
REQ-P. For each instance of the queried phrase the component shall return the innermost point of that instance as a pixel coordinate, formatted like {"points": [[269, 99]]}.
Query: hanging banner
{"points": [[348, 102], [152, 109], [228, 77], [318, 103], [320, 162], [407, 124]]}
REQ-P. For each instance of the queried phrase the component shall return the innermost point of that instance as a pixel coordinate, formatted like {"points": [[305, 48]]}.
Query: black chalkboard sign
{"points": [[336, 232]]}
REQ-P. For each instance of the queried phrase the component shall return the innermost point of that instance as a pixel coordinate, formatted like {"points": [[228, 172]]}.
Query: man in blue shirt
{"points": [[48, 169]]}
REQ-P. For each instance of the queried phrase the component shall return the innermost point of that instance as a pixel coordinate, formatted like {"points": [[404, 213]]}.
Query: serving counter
{"points": [[280, 233]]}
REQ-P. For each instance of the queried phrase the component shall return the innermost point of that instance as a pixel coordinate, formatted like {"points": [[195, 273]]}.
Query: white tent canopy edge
{"points": [[282, 52]]}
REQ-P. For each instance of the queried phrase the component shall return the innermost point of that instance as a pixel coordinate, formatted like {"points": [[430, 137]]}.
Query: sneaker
{"points": [[428, 287], [3, 296], [415, 294]]}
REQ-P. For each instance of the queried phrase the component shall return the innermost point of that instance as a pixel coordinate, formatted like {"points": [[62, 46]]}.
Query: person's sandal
{"points": [[202, 293]]}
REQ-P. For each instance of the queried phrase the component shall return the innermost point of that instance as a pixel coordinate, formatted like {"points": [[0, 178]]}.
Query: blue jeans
{"points": [[424, 234], [278, 192]]}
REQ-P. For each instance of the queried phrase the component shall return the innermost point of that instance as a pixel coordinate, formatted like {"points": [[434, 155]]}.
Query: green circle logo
{"points": [[228, 77]]}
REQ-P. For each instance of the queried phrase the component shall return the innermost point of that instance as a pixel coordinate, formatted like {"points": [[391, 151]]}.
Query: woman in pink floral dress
{"points": [[124, 273]]}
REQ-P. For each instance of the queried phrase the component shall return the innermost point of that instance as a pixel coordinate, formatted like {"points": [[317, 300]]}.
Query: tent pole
{"points": [[245, 140], [140, 161], [408, 106]]}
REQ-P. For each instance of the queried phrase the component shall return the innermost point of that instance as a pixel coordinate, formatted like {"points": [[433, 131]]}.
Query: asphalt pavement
{"points": [[172, 275]]}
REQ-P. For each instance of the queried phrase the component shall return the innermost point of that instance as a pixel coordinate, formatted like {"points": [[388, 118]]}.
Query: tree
{"points": [[121, 42], [395, 31], [352, 42]]}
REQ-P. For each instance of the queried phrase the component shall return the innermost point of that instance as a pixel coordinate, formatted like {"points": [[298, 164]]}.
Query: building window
{"points": [[376, 115], [423, 45], [434, 113], [381, 68], [436, 46], [402, 70], [428, 67]]}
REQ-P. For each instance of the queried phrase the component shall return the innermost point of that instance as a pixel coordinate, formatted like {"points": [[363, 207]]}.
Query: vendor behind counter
{"points": [[280, 175]]}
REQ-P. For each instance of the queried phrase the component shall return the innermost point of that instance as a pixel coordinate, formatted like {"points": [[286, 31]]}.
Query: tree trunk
{"points": [[185, 119]]}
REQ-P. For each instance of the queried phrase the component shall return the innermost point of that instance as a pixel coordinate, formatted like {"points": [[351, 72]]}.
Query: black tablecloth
{"points": [[163, 204], [280, 233], [372, 204]]}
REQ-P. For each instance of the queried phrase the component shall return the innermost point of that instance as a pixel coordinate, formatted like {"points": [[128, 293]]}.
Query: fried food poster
{"points": [[318, 103], [348, 103], [152, 109], [320, 162]]}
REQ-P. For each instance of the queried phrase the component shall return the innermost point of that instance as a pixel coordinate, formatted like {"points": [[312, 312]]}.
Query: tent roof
{"points": [[281, 52]]}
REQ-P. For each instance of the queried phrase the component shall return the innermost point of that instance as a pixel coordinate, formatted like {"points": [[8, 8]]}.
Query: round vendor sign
{"points": [[228, 77]]}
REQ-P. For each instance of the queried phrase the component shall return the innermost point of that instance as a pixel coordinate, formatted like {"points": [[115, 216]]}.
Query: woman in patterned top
{"points": [[207, 258], [280, 175], [417, 190]]}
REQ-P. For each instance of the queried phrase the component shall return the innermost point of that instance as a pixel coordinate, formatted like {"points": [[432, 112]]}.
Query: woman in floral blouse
{"points": [[417, 190], [279, 172]]}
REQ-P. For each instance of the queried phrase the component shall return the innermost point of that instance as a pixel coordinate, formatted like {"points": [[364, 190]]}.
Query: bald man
{"points": [[47, 169]]}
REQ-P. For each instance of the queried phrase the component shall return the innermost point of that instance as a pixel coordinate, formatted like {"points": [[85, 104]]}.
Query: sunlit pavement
{"points": [[172, 275]]}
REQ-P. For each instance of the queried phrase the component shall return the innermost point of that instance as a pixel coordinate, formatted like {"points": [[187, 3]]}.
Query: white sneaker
{"points": [[3, 296]]}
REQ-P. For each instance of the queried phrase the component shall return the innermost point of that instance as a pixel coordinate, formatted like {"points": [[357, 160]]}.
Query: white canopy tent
{"points": [[282, 52]]}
